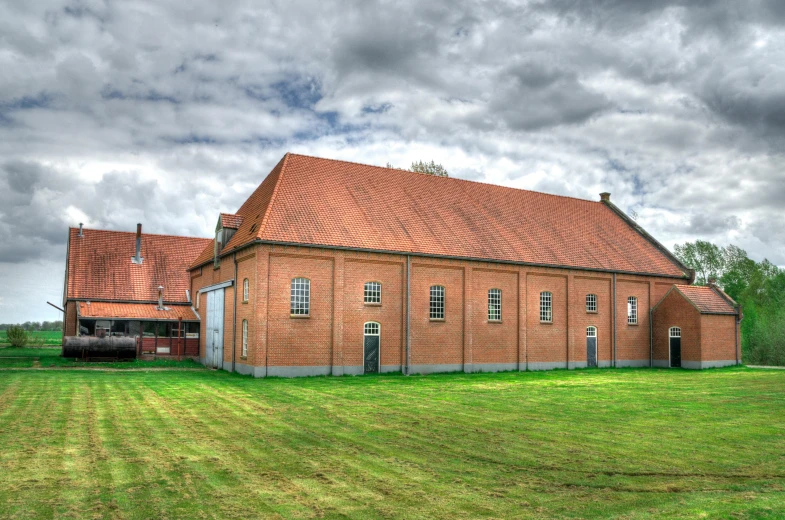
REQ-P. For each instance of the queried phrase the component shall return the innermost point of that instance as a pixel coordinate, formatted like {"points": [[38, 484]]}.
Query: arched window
{"points": [[495, 305], [546, 307], [245, 338], [372, 328], [591, 332], [632, 310], [674, 332], [246, 286], [373, 293], [591, 303], [437, 302], [301, 297]]}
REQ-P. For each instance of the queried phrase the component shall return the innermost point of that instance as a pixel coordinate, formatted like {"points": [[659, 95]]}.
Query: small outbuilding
{"points": [[696, 327]]}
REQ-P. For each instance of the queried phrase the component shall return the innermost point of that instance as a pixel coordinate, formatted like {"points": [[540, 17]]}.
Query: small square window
{"points": [[372, 294]]}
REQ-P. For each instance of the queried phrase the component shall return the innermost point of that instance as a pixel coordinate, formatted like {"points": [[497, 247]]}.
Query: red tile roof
{"points": [[707, 299], [100, 267], [307, 200], [136, 311], [231, 221]]}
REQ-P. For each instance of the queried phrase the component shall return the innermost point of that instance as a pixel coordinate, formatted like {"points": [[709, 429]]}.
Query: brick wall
{"points": [[677, 311], [333, 334], [70, 324], [300, 341], [720, 343]]}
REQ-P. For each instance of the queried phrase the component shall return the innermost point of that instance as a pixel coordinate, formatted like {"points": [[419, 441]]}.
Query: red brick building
{"points": [[126, 284], [340, 268]]}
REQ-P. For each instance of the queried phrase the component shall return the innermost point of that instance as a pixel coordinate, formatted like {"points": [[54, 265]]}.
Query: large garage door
{"points": [[215, 329]]}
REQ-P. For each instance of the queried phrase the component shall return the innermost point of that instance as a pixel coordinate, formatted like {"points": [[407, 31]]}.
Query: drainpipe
{"points": [[614, 319], [234, 312], [408, 310], [739, 317], [651, 339]]}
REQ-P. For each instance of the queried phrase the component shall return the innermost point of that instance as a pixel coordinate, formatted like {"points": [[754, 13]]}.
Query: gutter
{"points": [[615, 311], [234, 315], [686, 276], [651, 338], [408, 311]]}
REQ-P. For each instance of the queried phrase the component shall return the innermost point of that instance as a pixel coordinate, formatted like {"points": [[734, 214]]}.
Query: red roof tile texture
{"points": [[308, 200], [706, 299], [135, 311], [100, 267], [231, 221]]}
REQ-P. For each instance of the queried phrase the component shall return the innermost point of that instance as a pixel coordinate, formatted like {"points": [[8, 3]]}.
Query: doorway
{"points": [[591, 347], [214, 348], [674, 335], [372, 335]]}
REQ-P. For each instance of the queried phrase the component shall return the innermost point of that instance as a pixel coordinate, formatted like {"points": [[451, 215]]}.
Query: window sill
{"points": [[243, 358], [494, 321], [591, 312], [299, 316], [372, 304], [632, 324], [244, 302], [436, 319], [546, 322]]}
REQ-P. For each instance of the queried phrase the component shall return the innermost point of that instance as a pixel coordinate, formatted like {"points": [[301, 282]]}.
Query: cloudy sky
{"points": [[113, 113]]}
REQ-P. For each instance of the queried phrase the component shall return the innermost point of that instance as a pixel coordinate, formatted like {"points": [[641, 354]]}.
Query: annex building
{"points": [[333, 267]]}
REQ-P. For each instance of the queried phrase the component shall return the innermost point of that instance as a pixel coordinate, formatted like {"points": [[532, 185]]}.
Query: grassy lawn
{"points": [[37, 338], [585, 444], [47, 357]]}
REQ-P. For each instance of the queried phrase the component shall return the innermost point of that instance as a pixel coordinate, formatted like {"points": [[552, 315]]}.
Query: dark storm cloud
{"points": [[168, 112]]}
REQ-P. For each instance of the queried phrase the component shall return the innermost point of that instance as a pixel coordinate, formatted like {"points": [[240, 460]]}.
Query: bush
{"points": [[17, 336]]}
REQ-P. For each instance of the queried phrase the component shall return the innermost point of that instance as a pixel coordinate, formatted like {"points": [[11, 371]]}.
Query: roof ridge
{"points": [[268, 210], [448, 178], [143, 234]]}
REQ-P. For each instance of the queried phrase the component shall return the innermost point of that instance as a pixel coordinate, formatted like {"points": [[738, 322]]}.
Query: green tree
{"points": [[430, 168], [17, 336], [706, 258]]}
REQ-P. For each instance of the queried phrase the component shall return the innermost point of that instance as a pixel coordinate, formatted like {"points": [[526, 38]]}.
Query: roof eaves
{"points": [[689, 273], [722, 294]]}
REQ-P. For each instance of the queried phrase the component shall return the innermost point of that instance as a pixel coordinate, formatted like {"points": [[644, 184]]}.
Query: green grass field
{"points": [[628, 443], [49, 357], [37, 338]]}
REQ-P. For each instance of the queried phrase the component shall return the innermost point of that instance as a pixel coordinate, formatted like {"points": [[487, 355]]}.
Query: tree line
{"points": [[759, 287], [32, 326]]}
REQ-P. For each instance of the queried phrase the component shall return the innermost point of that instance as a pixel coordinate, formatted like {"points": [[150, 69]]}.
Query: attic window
{"points": [[253, 229]]}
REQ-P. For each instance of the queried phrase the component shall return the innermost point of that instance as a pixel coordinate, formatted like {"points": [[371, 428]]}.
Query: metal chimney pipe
{"points": [[160, 297], [81, 233], [137, 259]]}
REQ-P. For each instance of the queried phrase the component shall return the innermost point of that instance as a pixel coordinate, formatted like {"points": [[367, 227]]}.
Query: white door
{"points": [[214, 354]]}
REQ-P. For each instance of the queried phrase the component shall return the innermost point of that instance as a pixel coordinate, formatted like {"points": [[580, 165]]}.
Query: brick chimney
{"points": [[712, 282], [605, 196]]}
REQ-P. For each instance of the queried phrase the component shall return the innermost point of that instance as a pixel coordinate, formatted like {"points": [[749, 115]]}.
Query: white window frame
{"points": [[437, 302], [245, 338], [198, 299], [494, 305], [591, 331], [300, 298], [632, 310], [372, 293], [369, 326], [674, 332], [546, 307], [591, 303], [246, 289]]}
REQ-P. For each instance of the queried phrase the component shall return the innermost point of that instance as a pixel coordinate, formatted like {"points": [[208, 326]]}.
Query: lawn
{"points": [[38, 338], [47, 357], [627, 443]]}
